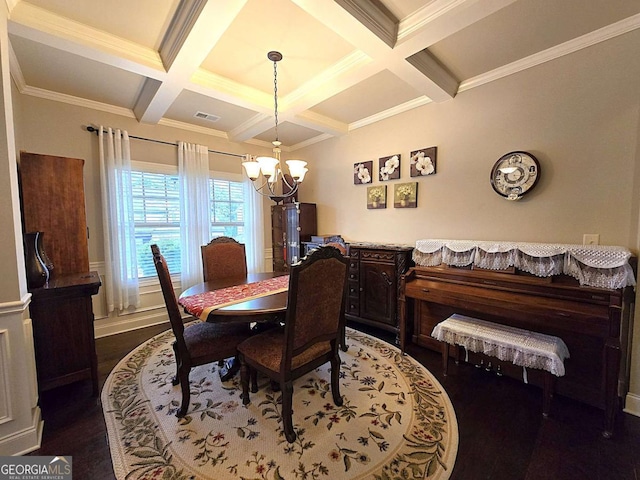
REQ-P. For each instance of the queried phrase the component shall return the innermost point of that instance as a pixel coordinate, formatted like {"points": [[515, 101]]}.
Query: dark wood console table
{"points": [[62, 316], [593, 322]]}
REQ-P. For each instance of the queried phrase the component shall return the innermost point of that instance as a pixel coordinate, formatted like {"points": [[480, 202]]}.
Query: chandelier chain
{"points": [[275, 94]]}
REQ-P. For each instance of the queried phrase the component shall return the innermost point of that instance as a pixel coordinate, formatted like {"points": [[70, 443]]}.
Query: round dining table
{"points": [[266, 308]]}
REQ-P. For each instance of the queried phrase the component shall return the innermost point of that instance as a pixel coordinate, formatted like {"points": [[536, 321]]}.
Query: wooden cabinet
{"points": [[291, 224], [593, 322], [63, 334], [374, 274], [52, 202]]}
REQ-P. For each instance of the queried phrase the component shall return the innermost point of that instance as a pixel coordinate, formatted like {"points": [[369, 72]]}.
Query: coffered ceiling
{"points": [[347, 63]]}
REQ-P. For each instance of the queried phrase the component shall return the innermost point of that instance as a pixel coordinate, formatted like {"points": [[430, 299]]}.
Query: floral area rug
{"points": [[396, 421]]}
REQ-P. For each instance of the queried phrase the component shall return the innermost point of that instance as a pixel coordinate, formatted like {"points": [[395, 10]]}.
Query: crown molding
{"points": [[16, 70], [167, 122], [391, 112], [421, 18], [77, 101], [311, 141]]}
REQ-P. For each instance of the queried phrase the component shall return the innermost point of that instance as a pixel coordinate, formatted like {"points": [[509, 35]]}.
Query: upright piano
{"points": [[593, 321]]}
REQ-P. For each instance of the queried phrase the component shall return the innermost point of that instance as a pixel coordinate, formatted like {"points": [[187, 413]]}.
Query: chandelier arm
{"points": [[295, 184]]}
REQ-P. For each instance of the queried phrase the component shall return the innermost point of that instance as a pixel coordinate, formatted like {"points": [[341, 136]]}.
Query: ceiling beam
{"points": [[375, 16], [350, 25], [194, 31]]}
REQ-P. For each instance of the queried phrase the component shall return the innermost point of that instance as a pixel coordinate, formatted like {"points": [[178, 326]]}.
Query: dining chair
{"points": [[223, 257], [198, 343], [313, 325]]}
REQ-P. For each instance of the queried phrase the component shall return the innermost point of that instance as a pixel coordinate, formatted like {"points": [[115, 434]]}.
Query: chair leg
{"points": [[253, 373], [287, 421], [335, 380], [183, 374], [244, 380], [176, 379], [343, 339]]}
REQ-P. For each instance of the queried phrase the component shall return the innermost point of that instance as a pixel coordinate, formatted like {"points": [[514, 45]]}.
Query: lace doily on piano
{"points": [[600, 266]]}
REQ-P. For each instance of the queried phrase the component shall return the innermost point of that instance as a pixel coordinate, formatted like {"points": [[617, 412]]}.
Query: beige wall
{"points": [[578, 115]]}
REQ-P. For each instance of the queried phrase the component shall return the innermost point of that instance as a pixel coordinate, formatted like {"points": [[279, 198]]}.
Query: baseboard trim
{"points": [[24, 441], [632, 404], [130, 324]]}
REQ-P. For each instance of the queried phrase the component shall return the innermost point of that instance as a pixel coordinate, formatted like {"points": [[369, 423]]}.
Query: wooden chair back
{"points": [[316, 303], [170, 300], [223, 257]]}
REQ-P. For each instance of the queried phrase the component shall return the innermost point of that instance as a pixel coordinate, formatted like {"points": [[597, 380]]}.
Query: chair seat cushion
{"points": [[202, 336], [266, 349]]}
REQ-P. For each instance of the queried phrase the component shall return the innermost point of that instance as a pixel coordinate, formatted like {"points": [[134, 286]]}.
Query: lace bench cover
{"points": [[201, 304], [600, 266], [521, 347]]}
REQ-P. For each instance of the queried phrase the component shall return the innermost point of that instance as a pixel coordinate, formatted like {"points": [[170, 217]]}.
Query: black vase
{"points": [[37, 271]]}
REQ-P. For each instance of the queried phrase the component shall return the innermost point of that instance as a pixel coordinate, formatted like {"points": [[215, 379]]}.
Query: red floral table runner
{"points": [[202, 304]]}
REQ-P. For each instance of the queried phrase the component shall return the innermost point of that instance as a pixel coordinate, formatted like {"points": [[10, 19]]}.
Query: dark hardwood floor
{"points": [[502, 433]]}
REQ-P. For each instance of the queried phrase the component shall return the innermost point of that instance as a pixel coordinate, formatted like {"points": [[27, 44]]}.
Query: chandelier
{"points": [[265, 172]]}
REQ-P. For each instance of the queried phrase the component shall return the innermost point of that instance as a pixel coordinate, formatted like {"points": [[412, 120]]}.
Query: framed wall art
{"points": [[377, 197], [362, 172], [405, 195], [423, 161], [389, 167]]}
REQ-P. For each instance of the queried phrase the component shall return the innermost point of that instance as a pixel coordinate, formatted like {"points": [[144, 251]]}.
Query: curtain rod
{"points": [[92, 129]]}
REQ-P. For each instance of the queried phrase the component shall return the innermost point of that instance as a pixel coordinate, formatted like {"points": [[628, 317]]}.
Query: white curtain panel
{"points": [[253, 227], [121, 264], [193, 171]]}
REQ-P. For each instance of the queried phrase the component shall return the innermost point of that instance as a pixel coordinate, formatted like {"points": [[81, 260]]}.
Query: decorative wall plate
{"points": [[515, 174]]}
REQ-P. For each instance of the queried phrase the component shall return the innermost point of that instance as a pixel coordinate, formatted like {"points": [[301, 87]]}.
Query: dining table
{"points": [[257, 297]]}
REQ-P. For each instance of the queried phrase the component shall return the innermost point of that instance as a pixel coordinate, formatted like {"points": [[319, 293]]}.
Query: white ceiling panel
{"points": [[189, 103], [376, 94], [61, 72], [308, 47]]}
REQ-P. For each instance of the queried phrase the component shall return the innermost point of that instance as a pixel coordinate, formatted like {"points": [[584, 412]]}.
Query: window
{"points": [[156, 210], [227, 209], [156, 207]]}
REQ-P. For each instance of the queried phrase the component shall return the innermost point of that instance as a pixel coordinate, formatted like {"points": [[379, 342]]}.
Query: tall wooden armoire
{"points": [[52, 202], [291, 224]]}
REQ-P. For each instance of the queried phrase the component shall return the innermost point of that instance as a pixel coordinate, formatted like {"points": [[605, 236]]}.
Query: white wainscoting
{"points": [[20, 422]]}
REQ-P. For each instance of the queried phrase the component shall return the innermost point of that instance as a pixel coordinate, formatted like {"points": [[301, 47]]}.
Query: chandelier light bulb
{"points": [[252, 168], [296, 168]]}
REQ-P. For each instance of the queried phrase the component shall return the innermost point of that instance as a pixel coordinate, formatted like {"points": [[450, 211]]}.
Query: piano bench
{"points": [[521, 347]]}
